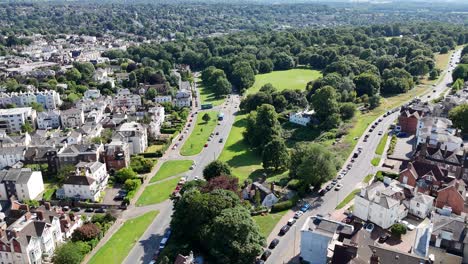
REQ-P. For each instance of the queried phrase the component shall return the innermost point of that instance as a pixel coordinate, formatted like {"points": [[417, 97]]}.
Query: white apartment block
{"points": [[48, 120], [23, 183], [127, 100], [49, 99], [9, 156], [301, 118], [135, 135], [12, 119], [183, 98], [72, 118], [163, 99], [92, 94]]}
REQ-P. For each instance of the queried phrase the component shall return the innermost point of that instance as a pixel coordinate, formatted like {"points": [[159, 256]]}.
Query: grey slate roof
{"points": [[79, 180], [20, 176]]}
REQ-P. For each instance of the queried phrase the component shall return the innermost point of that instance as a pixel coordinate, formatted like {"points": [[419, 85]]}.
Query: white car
{"points": [[197, 178], [298, 214], [338, 187], [340, 176], [410, 227]]}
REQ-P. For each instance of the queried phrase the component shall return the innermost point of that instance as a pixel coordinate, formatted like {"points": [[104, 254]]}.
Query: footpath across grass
{"points": [[158, 192], [120, 244], [266, 223], [171, 168], [200, 134], [282, 80]]}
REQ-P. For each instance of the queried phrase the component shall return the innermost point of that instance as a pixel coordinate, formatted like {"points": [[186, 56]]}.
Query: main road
{"points": [[147, 245], [288, 248]]}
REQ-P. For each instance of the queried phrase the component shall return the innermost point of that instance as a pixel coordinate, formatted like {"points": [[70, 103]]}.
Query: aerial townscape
{"points": [[234, 132]]}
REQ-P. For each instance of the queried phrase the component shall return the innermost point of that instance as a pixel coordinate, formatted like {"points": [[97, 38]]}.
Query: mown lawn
{"points": [[375, 161], [200, 134], [208, 97], [158, 192], [154, 148], [282, 80], [268, 222], [381, 146], [120, 244], [171, 168]]}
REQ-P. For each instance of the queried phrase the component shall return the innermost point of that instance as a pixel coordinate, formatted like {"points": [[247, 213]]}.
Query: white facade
{"points": [[11, 120], [127, 100], [83, 191], [183, 98], [135, 135], [94, 170], [11, 155], [421, 205], [435, 130], [378, 204], [72, 118], [163, 99], [157, 119], [49, 119], [31, 188], [301, 118], [48, 99]]}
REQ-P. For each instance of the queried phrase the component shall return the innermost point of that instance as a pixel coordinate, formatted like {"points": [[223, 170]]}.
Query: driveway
{"points": [[404, 148], [110, 194]]}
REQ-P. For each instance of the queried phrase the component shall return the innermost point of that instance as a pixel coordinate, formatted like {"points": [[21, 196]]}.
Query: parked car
{"points": [[291, 221], [119, 197], [100, 210], [384, 238], [76, 209], [221, 140], [266, 255], [163, 243], [305, 207], [123, 206], [355, 155], [217, 133], [329, 187], [284, 230], [298, 214], [410, 227], [334, 181], [89, 210], [322, 192], [273, 243], [338, 187], [206, 145], [66, 208], [340, 176], [380, 132]]}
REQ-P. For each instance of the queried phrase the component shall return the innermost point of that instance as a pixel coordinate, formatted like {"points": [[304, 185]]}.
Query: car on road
{"points": [[338, 187], [305, 207], [266, 255], [284, 230], [349, 166], [206, 145], [329, 187], [192, 167], [100, 210], [76, 209], [322, 192], [433, 91], [340, 176], [369, 227], [89, 210], [384, 238], [273, 243], [371, 130], [355, 155], [221, 140], [217, 133], [291, 221], [298, 214], [380, 133], [344, 171]]}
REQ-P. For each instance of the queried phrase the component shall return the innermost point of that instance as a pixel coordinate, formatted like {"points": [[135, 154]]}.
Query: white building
{"points": [[72, 118], [157, 119], [81, 188], [183, 98], [11, 155], [11, 120], [92, 94], [437, 130], [421, 205], [48, 120], [302, 118], [163, 99], [380, 204], [127, 100], [24, 183], [319, 237], [135, 135], [48, 99], [94, 170]]}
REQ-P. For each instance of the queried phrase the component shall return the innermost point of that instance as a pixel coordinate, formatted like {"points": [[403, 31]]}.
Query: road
{"points": [[288, 249], [147, 245]]}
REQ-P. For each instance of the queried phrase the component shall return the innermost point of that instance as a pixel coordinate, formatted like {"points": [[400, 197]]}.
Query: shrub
{"points": [[87, 232], [281, 206], [391, 147], [294, 184], [398, 230]]}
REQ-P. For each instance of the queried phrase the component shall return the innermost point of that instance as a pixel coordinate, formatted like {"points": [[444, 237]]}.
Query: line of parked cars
{"points": [[162, 245]]}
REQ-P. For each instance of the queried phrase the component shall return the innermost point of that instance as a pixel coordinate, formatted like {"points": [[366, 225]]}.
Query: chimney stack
{"points": [[40, 215], [27, 216], [47, 206], [374, 258]]}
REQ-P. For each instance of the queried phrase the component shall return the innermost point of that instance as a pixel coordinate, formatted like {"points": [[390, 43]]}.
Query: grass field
{"points": [[268, 222], [158, 192], [375, 161], [368, 178], [200, 134], [154, 148], [120, 244], [381, 147], [282, 80], [207, 96], [171, 168], [347, 199]]}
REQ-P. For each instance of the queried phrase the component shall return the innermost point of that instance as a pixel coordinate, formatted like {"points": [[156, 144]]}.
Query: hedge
{"points": [[281, 206]]}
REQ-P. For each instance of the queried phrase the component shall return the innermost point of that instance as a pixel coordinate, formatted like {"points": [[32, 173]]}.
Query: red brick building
{"points": [[116, 156], [409, 117], [452, 195]]}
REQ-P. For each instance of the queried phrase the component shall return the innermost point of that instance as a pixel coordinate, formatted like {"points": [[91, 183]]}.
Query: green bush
{"points": [[391, 147], [294, 184], [281, 206], [398, 230], [379, 176]]}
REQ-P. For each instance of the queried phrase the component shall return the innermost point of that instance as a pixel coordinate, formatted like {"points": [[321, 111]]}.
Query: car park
{"points": [[284, 230], [273, 243], [291, 221]]}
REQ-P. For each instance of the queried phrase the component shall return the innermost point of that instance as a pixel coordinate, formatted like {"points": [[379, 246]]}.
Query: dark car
{"points": [[322, 192], [89, 210], [329, 187], [266, 254], [100, 210], [123, 206], [355, 155], [76, 209], [273, 243], [384, 238], [65, 208], [119, 197], [284, 230], [259, 261]]}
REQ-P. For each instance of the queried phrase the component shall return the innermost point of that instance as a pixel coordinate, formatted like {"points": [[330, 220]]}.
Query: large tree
{"points": [[275, 154], [367, 83], [216, 168], [70, 253], [223, 182], [312, 163], [459, 117], [86, 232], [324, 102], [242, 75], [262, 126]]}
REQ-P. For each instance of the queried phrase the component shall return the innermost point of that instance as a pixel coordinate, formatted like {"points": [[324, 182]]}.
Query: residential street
{"points": [[288, 248]]}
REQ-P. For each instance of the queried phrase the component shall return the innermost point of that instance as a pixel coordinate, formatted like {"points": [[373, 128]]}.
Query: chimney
{"points": [[374, 259], [27, 216], [47, 206], [40, 215], [445, 150]]}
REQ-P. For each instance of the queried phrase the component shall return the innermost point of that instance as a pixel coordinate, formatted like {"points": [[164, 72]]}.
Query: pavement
{"points": [[288, 249]]}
